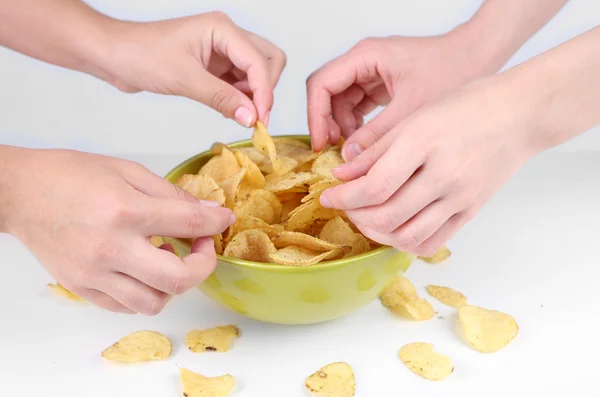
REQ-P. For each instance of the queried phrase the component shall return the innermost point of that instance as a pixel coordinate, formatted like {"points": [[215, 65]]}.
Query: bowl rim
{"points": [[328, 265]]}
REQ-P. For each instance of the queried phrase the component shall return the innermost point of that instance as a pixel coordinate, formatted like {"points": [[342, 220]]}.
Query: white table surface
{"points": [[532, 253]]}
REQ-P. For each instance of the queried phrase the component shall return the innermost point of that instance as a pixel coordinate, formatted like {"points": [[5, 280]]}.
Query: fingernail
{"points": [[210, 203], [325, 201], [232, 219], [243, 115], [351, 150]]}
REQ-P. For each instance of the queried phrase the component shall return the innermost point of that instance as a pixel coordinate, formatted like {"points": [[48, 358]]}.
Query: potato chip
{"points": [[401, 297], [288, 203], [196, 385], [312, 229], [421, 359], [296, 150], [202, 187], [260, 204], [333, 380], [218, 244], [337, 231], [140, 346], [284, 140], [298, 256], [440, 256], [65, 293], [253, 154], [222, 166], [286, 238], [309, 212], [265, 145], [216, 339], [285, 183], [487, 330], [231, 187], [326, 162], [253, 178], [250, 245], [249, 222], [217, 148], [314, 192], [447, 296]]}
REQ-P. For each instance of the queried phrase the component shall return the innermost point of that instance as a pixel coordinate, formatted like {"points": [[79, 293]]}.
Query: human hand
{"points": [[204, 57], [89, 218], [400, 73], [432, 173]]}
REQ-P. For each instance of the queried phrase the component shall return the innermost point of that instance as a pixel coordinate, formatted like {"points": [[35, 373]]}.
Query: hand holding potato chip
{"points": [[89, 218]]}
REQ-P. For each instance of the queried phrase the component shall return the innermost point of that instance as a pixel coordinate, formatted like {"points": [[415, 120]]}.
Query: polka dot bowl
{"points": [[294, 295]]}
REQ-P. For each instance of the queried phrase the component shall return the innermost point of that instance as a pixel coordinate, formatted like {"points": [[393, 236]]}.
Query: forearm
{"points": [[66, 33], [9, 165], [499, 28]]}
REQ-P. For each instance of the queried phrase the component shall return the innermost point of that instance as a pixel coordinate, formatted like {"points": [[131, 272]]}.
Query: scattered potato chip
{"points": [[216, 339], [298, 256], [441, 255], [196, 385], [260, 204], [401, 297], [254, 178], [140, 346], [221, 166], [265, 145], [65, 293], [333, 380], [250, 245], [447, 296], [202, 187], [326, 162], [421, 359], [487, 330], [286, 238], [337, 231]]}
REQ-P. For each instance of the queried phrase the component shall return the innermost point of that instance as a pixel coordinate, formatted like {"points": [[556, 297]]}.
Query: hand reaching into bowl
{"points": [[432, 172], [89, 218]]}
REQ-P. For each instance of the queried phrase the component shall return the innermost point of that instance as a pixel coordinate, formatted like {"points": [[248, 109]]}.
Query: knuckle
{"points": [[220, 16], [219, 99], [196, 224], [281, 57], [381, 190], [155, 305], [386, 221], [180, 282], [406, 242], [373, 132], [367, 43], [102, 251]]}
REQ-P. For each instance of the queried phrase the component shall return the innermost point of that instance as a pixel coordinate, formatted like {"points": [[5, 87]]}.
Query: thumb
{"points": [[372, 131], [222, 97]]}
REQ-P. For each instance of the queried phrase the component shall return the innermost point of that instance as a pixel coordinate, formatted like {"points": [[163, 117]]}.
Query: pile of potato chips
{"points": [[274, 187]]}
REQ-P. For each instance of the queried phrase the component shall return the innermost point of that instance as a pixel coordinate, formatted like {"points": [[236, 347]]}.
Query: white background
{"points": [[531, 252]]}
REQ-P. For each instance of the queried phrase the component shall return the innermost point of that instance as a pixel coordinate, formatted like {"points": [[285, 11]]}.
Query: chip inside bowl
{"points": [[274, 187]]}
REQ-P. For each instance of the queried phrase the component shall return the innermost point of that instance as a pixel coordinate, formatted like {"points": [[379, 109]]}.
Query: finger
{"points": [[276, 58], [334, 132], [342, 106], [102, 300], [418, 192], [147, 182], [182, 219], [233, 43], [332, 79], [384, 178], [372, 131], [134, 294], [165, 271], [430, 246]]}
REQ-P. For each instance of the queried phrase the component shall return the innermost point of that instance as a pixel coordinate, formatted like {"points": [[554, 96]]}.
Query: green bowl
{"points": [[294, 295]]}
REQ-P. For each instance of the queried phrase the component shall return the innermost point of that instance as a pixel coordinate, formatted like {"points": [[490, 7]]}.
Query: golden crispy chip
{"points": [[221, 166], [420, 358], [333, 380], [314, 192], [284, 140], [298, 151], [260, 204], [337, 231], [249, 222], [298, 256], [218, 244], [265, 145], [326, 162], [401, 297], [216, 339], [289, 203], [312, 229], [140, 346], [440, 256], [447, 296], [250, 245], [196, 385], [285, 183], [309, 212], [253, 154], [487, 330], [65, 293], [254, 178], [231, 187], [217, 148], [202, 187], [287, 238]]}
